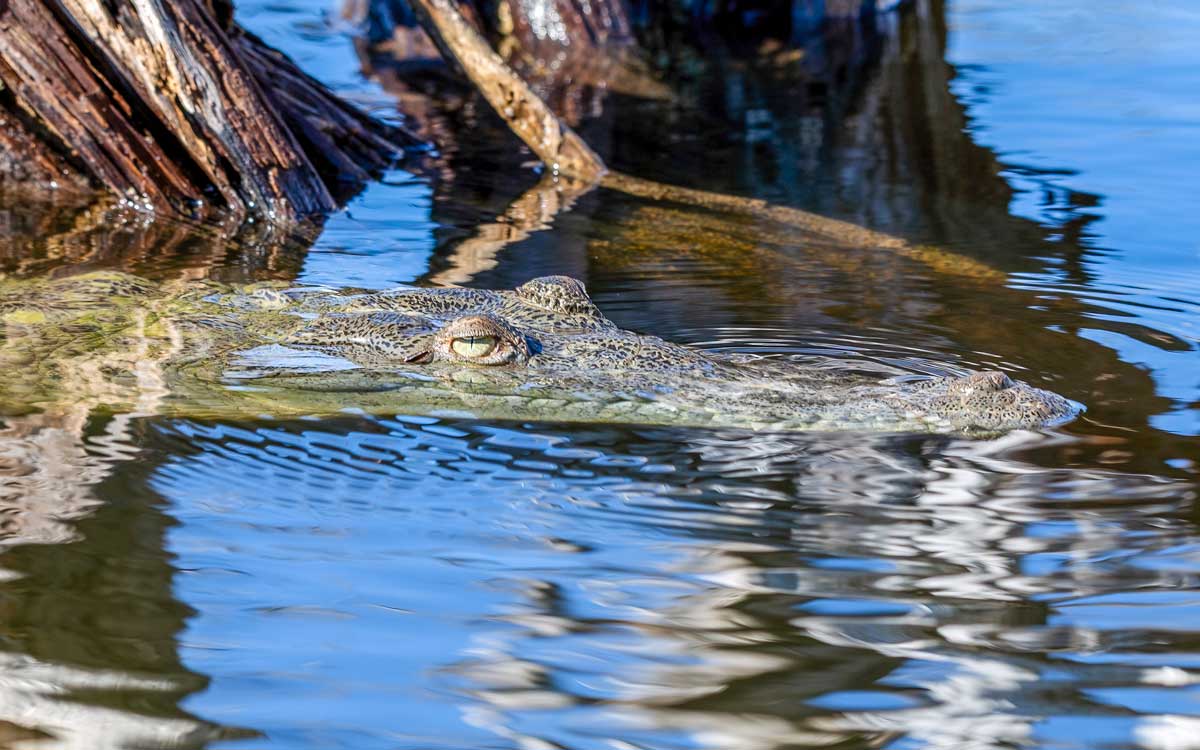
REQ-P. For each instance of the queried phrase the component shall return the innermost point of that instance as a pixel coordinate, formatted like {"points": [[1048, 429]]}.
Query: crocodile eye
{"points": [[479, 340], [473, 347]]}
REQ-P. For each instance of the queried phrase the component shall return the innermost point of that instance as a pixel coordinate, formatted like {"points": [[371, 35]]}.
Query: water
{"points": [[399, 582]]}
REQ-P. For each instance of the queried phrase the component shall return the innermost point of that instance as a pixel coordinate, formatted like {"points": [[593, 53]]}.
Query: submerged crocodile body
{"points": [[543, 352]]}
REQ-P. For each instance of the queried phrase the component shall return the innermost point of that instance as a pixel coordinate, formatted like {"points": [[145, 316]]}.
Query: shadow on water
{"points": [[436, 583]]}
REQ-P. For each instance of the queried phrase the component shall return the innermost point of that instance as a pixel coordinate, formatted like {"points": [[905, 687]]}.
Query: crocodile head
{"points": [[545, 351], [542, 351]]}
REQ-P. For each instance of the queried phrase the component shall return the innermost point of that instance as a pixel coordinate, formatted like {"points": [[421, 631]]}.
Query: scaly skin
{"points": [[540, 352]]}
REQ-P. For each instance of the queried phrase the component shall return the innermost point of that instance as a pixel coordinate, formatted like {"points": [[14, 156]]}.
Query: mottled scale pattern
{"points": [[541, 351], [579, 355], [433, 303], [368, 337]]}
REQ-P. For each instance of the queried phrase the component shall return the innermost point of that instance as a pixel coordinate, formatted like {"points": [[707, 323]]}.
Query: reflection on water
{"points": [[1107, 178], [52, 234], [421, 583], [88, 656], [424, 583]]}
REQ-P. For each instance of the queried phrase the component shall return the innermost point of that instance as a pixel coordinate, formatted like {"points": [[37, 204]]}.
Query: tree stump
{"points": [[173, 107]]}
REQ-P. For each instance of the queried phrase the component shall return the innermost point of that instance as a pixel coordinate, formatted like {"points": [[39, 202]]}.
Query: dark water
{"points": [[399, 582]]}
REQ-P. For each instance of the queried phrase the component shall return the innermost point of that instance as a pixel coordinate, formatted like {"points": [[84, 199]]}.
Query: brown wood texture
{"points": [[510, 96], [171, 106]]}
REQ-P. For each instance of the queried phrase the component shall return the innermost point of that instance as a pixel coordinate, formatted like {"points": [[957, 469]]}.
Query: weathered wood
{"points": [[523, 111], [346, 147], [172, 106], [26, 158]]}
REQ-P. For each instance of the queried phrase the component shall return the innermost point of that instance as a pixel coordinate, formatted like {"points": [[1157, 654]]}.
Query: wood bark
{"points": [[170, 105], [522, 110]]}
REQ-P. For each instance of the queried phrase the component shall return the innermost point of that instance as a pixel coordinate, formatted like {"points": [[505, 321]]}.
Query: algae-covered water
{"points": [[399, 582]]}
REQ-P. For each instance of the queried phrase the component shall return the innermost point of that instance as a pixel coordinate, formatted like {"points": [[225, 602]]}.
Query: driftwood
{"points": [[172, 106]]}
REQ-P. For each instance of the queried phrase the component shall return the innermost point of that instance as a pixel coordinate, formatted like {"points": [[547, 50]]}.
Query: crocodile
{"points": [[542, 351]]}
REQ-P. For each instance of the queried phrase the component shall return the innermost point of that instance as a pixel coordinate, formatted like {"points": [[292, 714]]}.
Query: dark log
{"points": [[27, 158], [571, 53], [172, 106], [544, 28]]}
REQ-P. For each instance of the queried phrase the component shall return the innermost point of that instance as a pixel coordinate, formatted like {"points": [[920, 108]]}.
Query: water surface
{"points": [[399, 582]]}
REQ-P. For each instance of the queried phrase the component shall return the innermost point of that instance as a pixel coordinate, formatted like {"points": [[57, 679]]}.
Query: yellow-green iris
{"points": [[472, 347]]}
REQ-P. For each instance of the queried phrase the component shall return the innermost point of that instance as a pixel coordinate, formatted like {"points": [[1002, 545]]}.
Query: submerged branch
{"points": [[842, 232], [567, 155]]}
